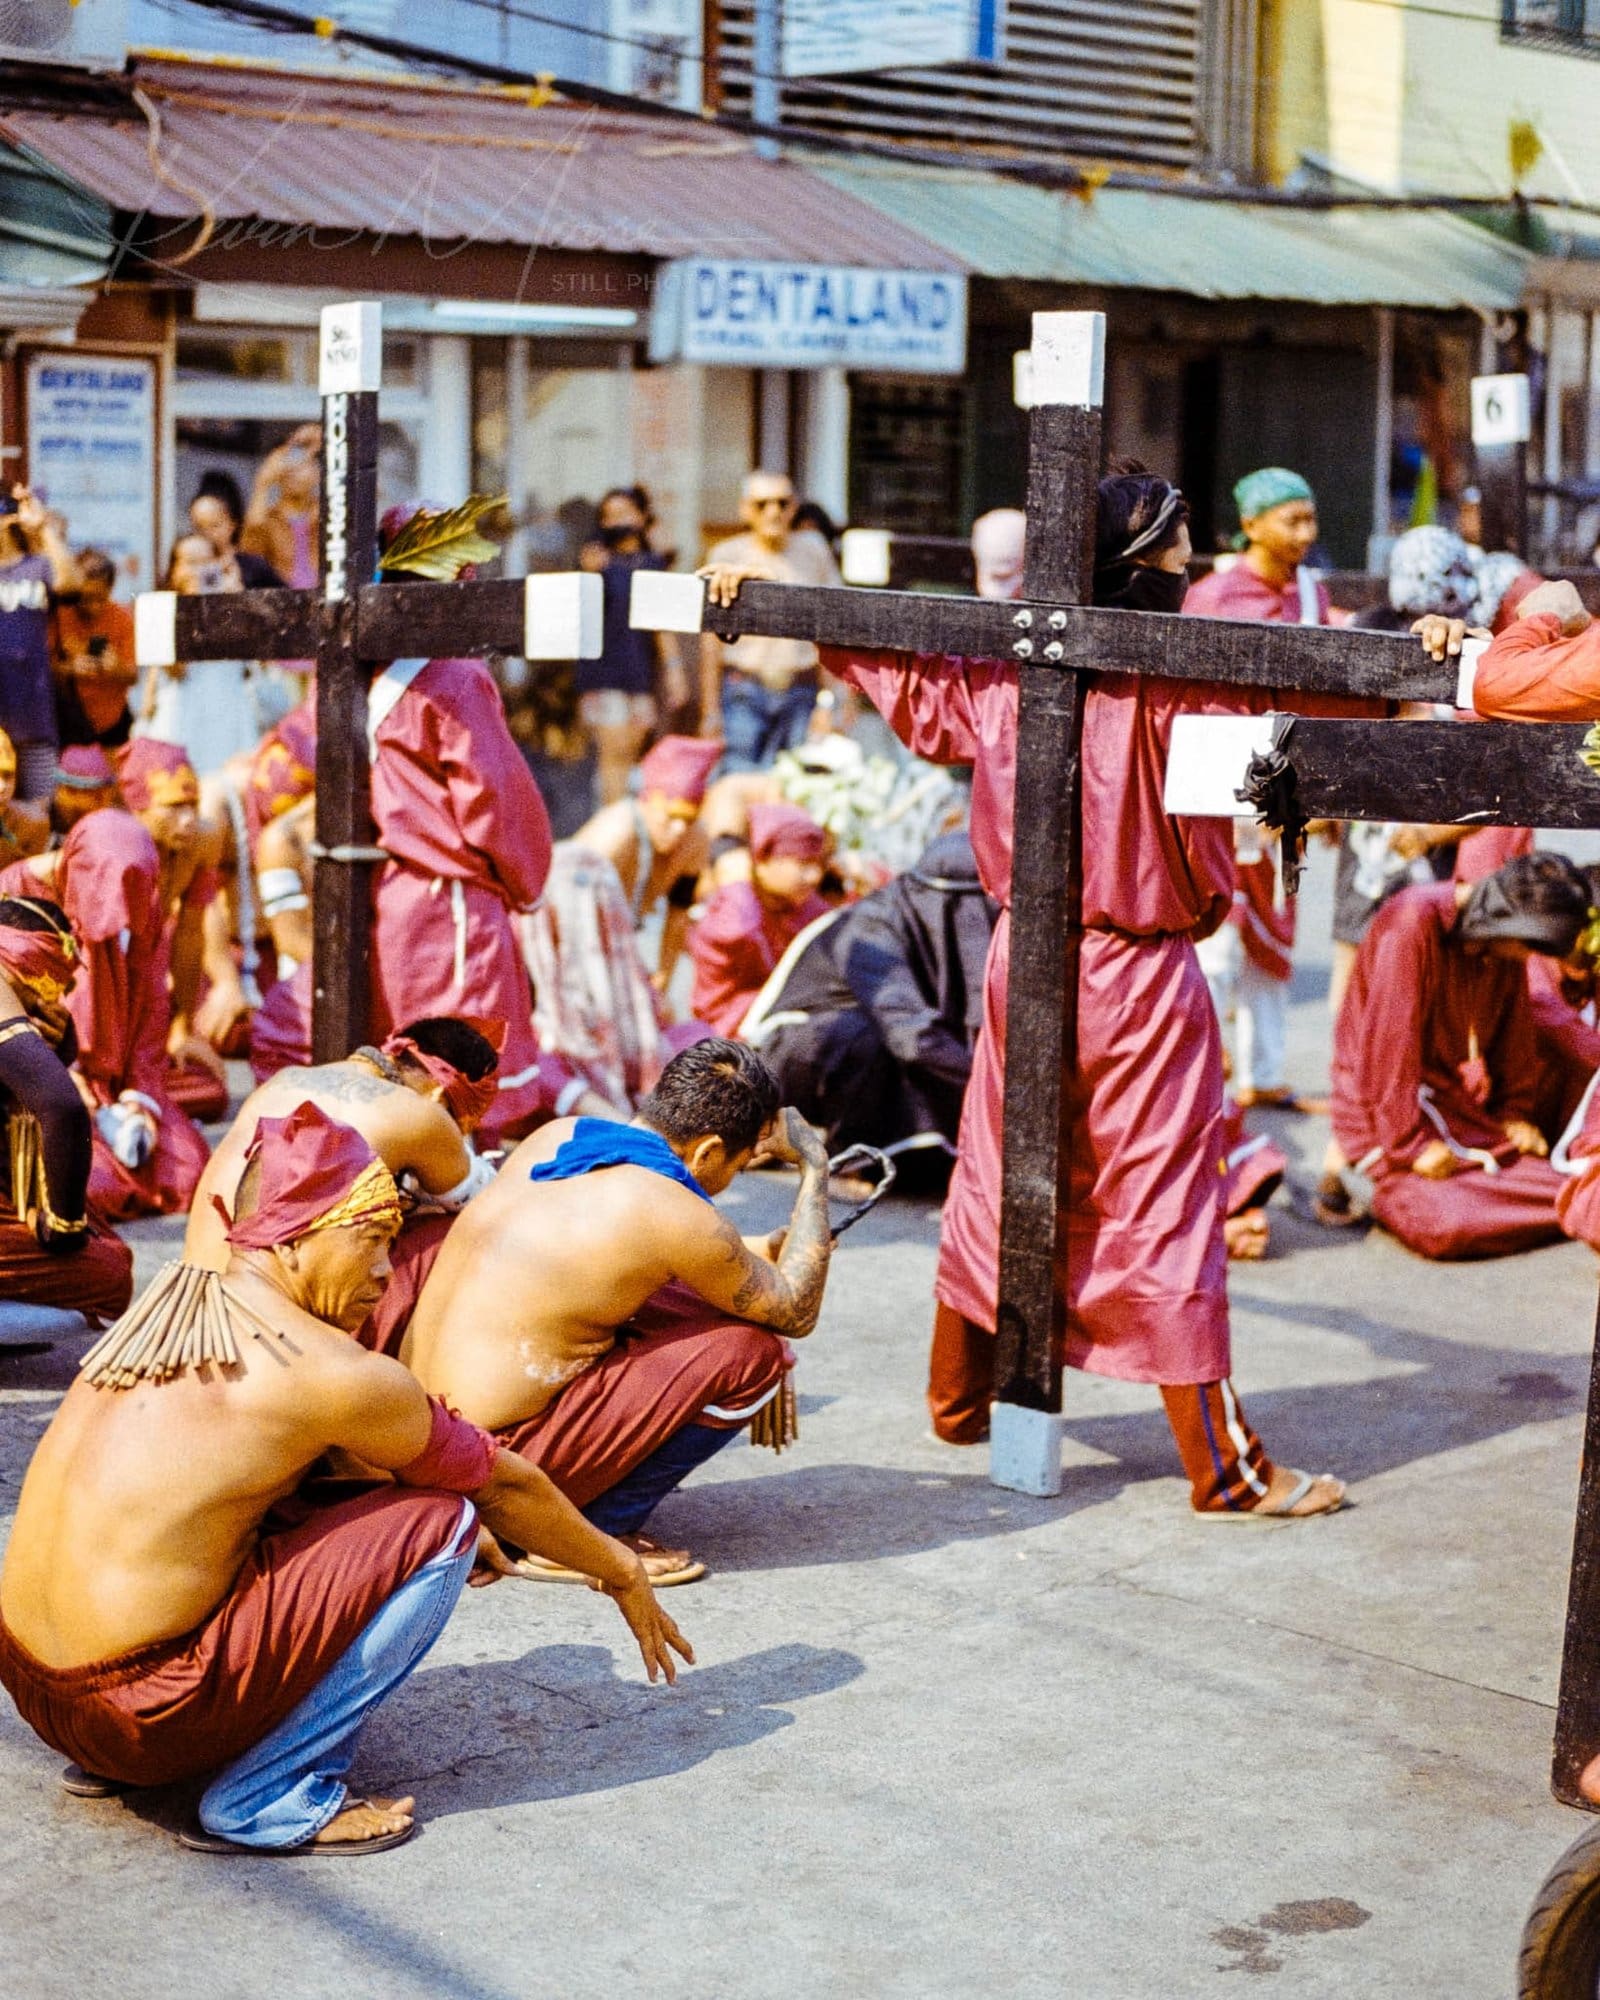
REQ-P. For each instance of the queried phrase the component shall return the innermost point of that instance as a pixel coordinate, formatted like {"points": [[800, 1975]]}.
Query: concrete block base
{"points": [[1025, 1450]]}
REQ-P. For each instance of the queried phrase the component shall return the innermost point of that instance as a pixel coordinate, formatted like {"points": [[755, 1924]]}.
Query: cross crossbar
{"points": [[351, 625], [1077, 638], [1436, 773]]}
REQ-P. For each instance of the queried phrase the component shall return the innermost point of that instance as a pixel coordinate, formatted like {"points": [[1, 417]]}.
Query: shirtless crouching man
{"points": [[158, 1621], [414, 1101], [599, 1316]]}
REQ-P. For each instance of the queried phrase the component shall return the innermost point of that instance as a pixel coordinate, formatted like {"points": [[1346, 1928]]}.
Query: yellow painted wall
{"points": [[1400, 95]]}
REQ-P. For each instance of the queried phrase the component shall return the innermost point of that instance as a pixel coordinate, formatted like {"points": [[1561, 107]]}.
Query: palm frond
{"points": [[439, 546]]}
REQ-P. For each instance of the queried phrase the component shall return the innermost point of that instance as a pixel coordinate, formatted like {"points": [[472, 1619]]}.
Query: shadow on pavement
{"points": [[563, 1721], [819, 1514]]}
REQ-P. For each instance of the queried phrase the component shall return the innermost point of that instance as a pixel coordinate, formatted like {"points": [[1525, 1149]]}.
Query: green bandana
{"points": [[1272, 486]]}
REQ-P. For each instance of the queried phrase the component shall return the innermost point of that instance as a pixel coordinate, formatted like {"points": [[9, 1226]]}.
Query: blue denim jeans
{"points": [[625, 1507], [758, 721], [286, 1789]]}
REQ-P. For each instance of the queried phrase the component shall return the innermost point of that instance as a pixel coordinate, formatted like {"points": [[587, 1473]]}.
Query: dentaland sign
{"points": [[774, 315]]}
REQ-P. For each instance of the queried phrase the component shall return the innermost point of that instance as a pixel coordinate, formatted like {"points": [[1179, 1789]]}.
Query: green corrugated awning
{"points": [[53, 234], [1131, 239]]}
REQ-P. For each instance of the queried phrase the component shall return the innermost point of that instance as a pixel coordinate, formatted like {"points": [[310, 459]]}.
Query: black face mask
{"points": [[615, 537], [1138, 587]]}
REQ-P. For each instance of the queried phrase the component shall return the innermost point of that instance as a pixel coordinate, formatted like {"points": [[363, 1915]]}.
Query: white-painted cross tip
{"points": [[351, 355], [1022, 378], [1502, 410], [155, 628], [660, 602], [562, 616], [1207, 759], [864, 556], [1069, 359], [1025, 1450], [1472, 651]]}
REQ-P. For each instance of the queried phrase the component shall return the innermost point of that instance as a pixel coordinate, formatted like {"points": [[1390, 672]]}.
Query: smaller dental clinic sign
{"points": [[770, 315], [92, 454]]}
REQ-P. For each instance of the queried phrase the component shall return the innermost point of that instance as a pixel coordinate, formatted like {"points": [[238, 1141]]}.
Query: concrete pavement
{"points": [[945, 1741]]}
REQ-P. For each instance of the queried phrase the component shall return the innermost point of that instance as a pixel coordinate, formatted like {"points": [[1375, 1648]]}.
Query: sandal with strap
{"points": [[1284, 1510], [200, 1842]]}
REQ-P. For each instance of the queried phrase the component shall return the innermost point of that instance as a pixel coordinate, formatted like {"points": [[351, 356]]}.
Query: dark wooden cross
{"points": [[353, 626], [1489, 774]]}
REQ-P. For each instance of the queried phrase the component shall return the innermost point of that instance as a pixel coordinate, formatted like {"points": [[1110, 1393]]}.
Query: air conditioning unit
{"points": [[92, 33]]}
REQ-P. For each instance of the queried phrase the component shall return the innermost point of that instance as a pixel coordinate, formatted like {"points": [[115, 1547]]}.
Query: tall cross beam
{"points": [[1441, 772], [354, 625]]}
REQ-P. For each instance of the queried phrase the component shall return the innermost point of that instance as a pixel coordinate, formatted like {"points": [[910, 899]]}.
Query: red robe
{"points": [[735, 947], [108, 884], [1266, 926], [1237, 592], [1436, 1042], [1491, 847], [194, 1089], [1146, 1263], [1252, 1166], [1568, 1039], [456, 806], [1531, 674]]}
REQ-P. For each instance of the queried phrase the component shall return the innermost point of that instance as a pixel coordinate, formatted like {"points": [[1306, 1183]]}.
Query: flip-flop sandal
{"points": [[84, 1784], [1283, 1511], [549, 1572], [200, 1842]]}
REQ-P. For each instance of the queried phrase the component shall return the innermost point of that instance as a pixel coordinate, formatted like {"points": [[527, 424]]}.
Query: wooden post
{"points": [[1578, 1702], [351, 372], [1502, 422], [1042, 1008]]}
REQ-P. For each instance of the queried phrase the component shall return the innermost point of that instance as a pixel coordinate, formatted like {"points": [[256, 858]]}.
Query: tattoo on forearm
{"points": [[803, 1260], [786, 1296]]}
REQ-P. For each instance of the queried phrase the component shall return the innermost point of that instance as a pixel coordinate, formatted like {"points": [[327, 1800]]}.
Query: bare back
{"points": [[536, 1276], [617, 833], [410, 1133], [141, 1504]]}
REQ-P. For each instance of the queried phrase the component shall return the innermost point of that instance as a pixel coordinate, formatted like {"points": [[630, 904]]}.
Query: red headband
{"points": [[153, 773], [315, 1174], [468, 1100], [43, 963], [680, 767], [785, 829]]}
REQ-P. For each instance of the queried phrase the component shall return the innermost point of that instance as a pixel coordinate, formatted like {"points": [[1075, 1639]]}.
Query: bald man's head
{"points": [[997, 551]]}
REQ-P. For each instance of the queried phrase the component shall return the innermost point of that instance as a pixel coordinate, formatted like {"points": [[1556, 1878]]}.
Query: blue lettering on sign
{"points": [[813, 315]]}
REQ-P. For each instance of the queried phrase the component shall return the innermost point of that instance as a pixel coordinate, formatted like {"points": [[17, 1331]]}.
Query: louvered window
{"points": [[1161, 83]]}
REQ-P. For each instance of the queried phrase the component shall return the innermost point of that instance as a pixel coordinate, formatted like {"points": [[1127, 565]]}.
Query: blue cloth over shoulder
{"points": [[599, 1142]]}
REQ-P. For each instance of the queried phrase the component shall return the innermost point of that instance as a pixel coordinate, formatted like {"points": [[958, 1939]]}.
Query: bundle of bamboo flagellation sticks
{"points": [[184, 1320], [777, 1423]]}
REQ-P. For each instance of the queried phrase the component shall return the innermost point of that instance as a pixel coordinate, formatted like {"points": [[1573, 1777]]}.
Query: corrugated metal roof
{"points": [[1105, 79], [1208, 249], [454, 165]]}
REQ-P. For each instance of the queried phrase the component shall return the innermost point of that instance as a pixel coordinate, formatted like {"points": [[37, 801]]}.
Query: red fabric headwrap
{"points": [[85, 767], [43, 963], [309, 1165], [467, 1100], [153, 773], [110, 878], [680, 767], [284, 770], [781, 829]]}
